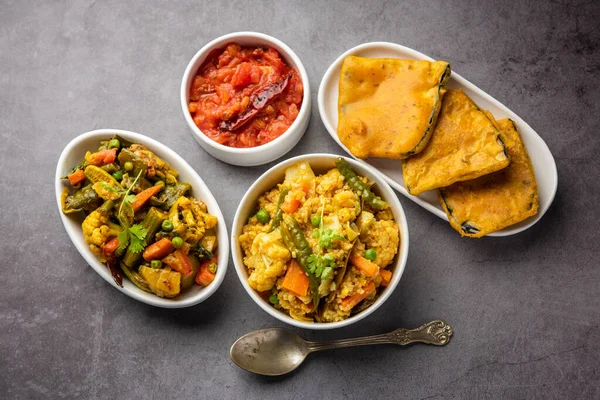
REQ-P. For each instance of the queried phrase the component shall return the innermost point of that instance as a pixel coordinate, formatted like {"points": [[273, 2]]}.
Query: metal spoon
{"points": [[277, 351]]}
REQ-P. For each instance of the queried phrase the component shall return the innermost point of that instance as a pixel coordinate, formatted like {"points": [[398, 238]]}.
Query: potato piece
{"points": [[163, 282]]}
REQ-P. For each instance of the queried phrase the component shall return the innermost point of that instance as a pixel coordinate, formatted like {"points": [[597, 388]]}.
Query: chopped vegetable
{"points": [[366, 266], [156, 264], [283, 191], [296, 280], [97, 228], [179, 262], [114, 144], [158, 250], [370, 254], [162, 282], [142, 198], [386, 277], [290, 205], [205, 277], [358, 186], [354, 299], [76, 177], [102, 157], [167, 225], [177, 242], [315, 220], [263, 216], [151, 224]]}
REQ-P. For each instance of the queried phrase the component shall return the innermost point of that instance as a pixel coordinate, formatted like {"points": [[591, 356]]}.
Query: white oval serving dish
{"points": [[73, 154], [541, 157], [320, 163], [253, 155]]}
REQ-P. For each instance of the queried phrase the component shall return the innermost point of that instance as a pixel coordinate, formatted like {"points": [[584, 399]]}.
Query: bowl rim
{"points": [[190, 71], [198, 186], [402, 254]]}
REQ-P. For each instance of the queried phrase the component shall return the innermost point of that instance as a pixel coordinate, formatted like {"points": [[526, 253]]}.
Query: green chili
{"points": [[358, 186], [279, 213], [303, 252]]}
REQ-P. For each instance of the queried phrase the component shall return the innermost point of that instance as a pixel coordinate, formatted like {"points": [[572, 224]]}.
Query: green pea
{"points": [[263, 216], [128, 166], [177, 242], [273, 299], [370, 254], [315, 220], [167, 225], [155, 264], [118, 175], [114, 144]]}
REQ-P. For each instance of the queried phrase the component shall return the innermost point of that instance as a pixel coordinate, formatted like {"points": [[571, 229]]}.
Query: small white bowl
{"points": [[74, 153], [266, 152], [320, 163]]}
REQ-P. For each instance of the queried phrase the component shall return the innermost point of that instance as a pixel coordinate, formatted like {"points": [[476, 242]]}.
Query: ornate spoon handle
{"points": [[435, 332]]}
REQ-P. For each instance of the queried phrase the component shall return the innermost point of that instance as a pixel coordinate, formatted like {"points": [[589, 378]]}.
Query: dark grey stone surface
{"points": [[525, 308]]}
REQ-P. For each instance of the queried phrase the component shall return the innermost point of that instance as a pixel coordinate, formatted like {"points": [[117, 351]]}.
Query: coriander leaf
{"points": [[138, 231], [327, 237], [137, 244], [130, 198]]}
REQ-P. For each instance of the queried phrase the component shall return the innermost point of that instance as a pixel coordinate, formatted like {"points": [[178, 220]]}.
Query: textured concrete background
{"points": [[525, 309]]}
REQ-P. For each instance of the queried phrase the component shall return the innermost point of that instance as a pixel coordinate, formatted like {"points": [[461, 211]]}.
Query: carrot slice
{"points": [[386, 277], [366, 266], [76, 177], [290, 206], [179, 261], [142, 197], [158, 250], [102, 157], [110, 247], [295, 279], [354, 299], [205, 276]]}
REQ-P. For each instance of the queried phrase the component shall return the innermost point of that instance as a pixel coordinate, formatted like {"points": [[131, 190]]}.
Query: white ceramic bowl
{"points": [[543, 163], [320, 163], [266, 152], [74, 153]]}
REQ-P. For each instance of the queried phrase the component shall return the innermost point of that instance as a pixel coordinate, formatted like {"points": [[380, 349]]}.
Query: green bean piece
{"points": [[279, 213], [85, 198], [152, 222], [135, 278], [358, 186], [303, 252]]}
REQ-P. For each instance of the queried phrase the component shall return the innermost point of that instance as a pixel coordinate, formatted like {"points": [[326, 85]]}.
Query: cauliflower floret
{"points": [[191, 219], [269, 257], [97, 228], [382, 236]]}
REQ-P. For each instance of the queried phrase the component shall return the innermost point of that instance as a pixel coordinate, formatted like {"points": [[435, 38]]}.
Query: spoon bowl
{"points": [[270, 352]]}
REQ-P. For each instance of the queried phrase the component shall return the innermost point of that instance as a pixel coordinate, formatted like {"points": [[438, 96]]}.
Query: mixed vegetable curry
{"points": [[140, 220], [319, 247]]}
